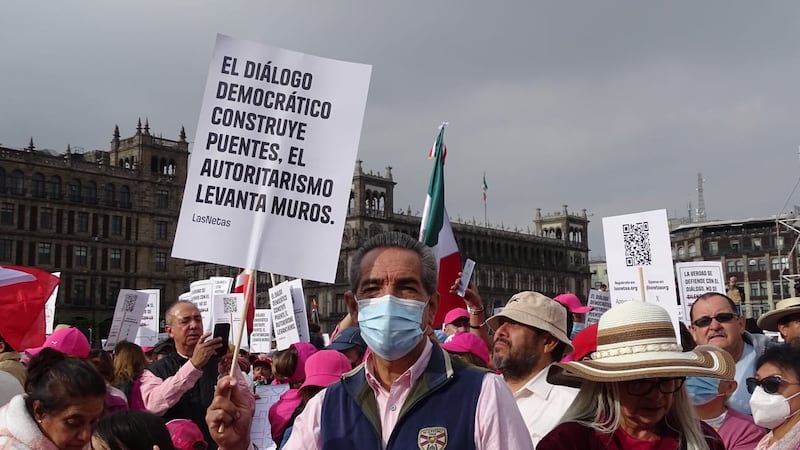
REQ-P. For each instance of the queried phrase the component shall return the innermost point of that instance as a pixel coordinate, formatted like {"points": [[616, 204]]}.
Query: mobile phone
{"points": [[222, 330], [466, 274]]}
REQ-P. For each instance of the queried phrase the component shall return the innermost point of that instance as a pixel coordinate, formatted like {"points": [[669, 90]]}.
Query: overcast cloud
{"points": [[611, 106]]}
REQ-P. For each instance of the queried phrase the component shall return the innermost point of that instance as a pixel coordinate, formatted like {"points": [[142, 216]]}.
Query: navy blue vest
{"points": [[439, 411]]}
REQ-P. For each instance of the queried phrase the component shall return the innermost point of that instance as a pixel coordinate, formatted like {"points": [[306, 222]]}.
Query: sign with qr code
{"points": [[268, 184], [639, 260], [148, 327], [695, 278], [127, 317], [227, 308]]}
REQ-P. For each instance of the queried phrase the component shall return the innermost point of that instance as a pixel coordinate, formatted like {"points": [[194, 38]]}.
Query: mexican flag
{"points": [[240, 287], [435, 232]]}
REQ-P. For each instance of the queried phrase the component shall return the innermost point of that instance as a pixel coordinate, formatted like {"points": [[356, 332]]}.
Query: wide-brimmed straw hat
{"points": [[783, 308], [635, 341]]}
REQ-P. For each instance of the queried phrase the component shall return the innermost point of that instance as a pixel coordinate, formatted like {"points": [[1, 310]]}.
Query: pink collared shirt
{"points": [[498, 422]]}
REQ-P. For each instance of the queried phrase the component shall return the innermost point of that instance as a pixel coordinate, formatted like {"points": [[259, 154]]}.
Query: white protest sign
{"points": [[201, 292], [639, 256], [273, 160], [147, 335], [695, 278], [222, 285], [261, 337], [185, 297], [127, 316], [266, 396], [227, 308], [50, 308], [600, 302], [280, 299], [300, 312]]}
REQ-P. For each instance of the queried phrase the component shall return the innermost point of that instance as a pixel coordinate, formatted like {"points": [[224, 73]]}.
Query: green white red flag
{"points": [[436, 232]]}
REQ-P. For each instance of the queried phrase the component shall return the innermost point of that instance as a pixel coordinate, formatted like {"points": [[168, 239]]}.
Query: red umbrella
{"points": [[23, 293]]}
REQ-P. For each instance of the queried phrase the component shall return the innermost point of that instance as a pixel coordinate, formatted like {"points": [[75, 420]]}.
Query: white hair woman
{"points": [[632, 392]]}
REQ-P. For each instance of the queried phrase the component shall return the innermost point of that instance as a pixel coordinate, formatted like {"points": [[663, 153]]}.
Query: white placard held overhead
{"points": [[227, 308], [222, 285], [273, 159], [283, 317], [261, 338], [639, 260], [695, 278], [600, 302], [300, 312], [127, 317], [147, 335], [201, 292], [50, 308]]}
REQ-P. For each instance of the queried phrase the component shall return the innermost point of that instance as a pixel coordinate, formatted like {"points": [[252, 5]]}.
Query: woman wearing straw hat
{"points": [[633, 396]]}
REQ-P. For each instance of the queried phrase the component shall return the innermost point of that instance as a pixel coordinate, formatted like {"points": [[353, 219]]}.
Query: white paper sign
{"points": [[127, 317], [148, 327], [600, 302], [201, 292], [639, 256], [273, 159], [261, 337], [267, 395], [300, 312], [695, 278], [50, 308], [280, 299], [227, 308], [222, 285]]}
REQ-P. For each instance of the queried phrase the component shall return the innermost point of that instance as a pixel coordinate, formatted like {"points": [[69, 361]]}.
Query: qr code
{"points": [[229, 305], [637, 244], [130, 303]]}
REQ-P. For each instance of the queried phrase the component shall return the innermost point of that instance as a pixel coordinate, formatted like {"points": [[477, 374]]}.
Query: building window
{"points": [[692, 251], [16, 183], [43, 253], [113, 293], [46, 218], [125, 197], [110, 195], [7, 214], [82, 222], [38, 185], [681, 253], [162, 199], [116, 225], [779, 242], [735, 246], [115, 258], [161, 262], [713, 247], [90, 193], [74, 187], [5, 249], [79, 292], [161, 230], [753, 289], [756, 243], [54, 188], [81, 256], [764, 291], [731, 266], [762, 264]]}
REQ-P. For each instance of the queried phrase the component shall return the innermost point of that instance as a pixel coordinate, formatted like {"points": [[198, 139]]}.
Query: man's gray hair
{"points": [[396, 239]]}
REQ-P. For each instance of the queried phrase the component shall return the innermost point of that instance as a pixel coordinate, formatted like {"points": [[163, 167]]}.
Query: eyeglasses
{"points": [[721, 318], [640, 388], [770, 384]]}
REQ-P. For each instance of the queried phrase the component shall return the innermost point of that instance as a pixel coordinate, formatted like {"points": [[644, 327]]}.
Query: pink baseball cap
{"points": [[325, 368], [573, 303], [70, 341], [455, 314], [304, 350], [468, 343], [185, 434]]}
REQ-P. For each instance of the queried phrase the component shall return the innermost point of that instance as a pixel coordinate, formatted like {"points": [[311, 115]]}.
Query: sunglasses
{"points": [[640, 388], [770, 384], [721, 318]]}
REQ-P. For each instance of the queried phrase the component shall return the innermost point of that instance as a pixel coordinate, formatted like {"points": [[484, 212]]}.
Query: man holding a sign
{"points": [[181, 385], [405, 381]]}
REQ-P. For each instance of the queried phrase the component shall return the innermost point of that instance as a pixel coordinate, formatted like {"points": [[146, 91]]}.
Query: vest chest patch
{"points": [[432, 438]]}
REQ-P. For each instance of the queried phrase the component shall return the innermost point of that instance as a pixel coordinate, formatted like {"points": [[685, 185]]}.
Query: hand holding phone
{"points": [[466, 274], [222, 330]]}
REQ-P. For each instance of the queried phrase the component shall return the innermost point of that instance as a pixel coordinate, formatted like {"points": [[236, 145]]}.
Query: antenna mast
{"points": [[701, 203]]}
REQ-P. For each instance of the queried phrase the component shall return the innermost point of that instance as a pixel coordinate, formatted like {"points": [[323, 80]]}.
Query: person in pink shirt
{"points": [[289, 368], [395, 399]]}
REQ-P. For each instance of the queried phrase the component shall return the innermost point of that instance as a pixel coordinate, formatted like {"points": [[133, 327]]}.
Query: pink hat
{"points": [[468, 343], [455, 314], [325, 367], [304, 350], [185, 434], [573, 303], [70, 341], [147, 348]]}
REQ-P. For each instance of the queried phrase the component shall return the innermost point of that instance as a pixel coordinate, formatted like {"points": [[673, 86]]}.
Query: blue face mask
{"points": [[702, 389], [390, 326]]}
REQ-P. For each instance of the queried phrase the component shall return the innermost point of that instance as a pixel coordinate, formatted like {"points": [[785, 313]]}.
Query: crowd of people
{"points": [[535, 375]]}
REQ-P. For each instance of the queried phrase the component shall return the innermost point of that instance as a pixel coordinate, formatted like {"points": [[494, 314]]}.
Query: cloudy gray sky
{"points": [[612, 106]]}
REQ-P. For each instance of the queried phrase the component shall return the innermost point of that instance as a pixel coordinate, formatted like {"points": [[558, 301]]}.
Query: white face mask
{"points": [[770, 410]]}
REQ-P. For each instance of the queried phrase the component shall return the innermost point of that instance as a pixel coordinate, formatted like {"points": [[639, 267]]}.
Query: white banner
{"points": [[273, 158], [639, 261], [127, 317], [201, 292], [695, 278], [261, 338], [147, 335], [266, 396], [280, 299], [50, 308]]}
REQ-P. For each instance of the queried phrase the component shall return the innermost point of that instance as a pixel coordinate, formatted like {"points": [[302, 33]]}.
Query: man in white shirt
{"points": [[530, 334]]}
